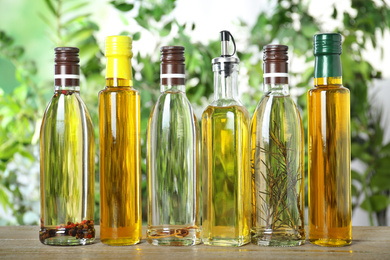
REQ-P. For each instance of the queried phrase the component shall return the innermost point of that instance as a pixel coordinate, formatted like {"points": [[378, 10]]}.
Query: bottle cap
{"points": [[66, 67], [172, 65], [119, 45], [275, 64], [327, 43]]}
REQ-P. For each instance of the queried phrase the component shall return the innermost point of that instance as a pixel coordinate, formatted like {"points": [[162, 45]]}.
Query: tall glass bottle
{"points": [[67, 159], [120, 169], [172, 159], [225, 147], [277, 159], [329, 144]]}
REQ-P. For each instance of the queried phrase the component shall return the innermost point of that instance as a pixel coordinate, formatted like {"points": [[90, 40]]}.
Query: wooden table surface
{"points": [[21, 242]]}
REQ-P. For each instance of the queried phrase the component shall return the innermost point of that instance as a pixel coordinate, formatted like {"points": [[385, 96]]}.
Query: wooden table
{"points": [[21, 242]]}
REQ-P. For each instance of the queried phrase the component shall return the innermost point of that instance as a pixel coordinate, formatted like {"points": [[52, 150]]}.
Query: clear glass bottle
{"points": [[329, 147], [172, 159], [120, 148], [67, 159], [277, 159], [225, 146]]}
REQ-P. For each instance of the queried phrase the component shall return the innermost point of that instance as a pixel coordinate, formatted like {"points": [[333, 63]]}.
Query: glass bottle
{"points": [[172, 159], [120, 169], [225, 146], [277, 159], [67, 159], [329, 144]]}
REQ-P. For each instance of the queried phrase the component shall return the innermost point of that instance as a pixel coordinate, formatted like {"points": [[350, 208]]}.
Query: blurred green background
{"points": [[29, 30]]}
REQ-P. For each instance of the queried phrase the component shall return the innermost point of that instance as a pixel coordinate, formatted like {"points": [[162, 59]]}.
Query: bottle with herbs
{"points": [[225, 147], [277, 159], [67, 159], [173, 160]]}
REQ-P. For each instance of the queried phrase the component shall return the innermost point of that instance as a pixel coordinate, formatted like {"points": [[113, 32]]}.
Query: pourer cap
{"points": [[226, 60]]}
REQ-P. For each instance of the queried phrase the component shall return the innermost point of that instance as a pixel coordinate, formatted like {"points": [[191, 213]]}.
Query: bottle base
{"points": [[120, 241], [226, 242], [174, 236], [70, 234], [282, 237], [277, 243], [67, 241], [331, 242]]}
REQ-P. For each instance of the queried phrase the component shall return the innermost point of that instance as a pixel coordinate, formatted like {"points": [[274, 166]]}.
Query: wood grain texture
{"points": [[21, 242]]}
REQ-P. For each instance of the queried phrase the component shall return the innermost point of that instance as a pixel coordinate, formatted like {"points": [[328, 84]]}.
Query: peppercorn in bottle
{"points": [[67, 159]]}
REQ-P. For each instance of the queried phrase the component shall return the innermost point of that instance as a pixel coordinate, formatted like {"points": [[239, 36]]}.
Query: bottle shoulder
{"points": [[270, 106], [175, 102], [226, 102], [220, 110], [119, 90], [70, 104], [329, 88], [275, 99]]}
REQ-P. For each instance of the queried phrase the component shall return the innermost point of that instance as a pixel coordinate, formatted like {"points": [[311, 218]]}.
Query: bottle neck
{"points": [[66, 77], [327, 70], [173, 88], [225, 83], [67, 89], [119, 71], [277, 89]]}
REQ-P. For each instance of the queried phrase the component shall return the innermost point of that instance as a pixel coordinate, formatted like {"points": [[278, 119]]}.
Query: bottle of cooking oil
{"points": [[67, 159], [225, 147], [119, 128], [277, 159], [329, 144], [172, 159]]}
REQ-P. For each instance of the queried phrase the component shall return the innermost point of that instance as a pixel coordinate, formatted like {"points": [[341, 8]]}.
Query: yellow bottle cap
{"points": [[119, 45]]}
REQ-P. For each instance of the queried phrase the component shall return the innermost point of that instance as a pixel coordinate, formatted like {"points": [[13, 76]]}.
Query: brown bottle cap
{"points": [[172, 65], [275, 67], [66, 67]]}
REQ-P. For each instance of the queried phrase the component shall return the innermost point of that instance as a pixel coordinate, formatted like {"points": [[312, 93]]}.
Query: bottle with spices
{"points": [[329, 144], [277, 159], [172, 159], [120, 148], [67, 159], [225, 147]]}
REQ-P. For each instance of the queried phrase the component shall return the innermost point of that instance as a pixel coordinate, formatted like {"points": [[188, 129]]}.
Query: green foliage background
{"points": [[25, 91]]}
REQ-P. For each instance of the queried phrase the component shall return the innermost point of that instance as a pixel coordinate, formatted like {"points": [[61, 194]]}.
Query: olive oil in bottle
{"points": [[119, 127], [67, 159], [225, 146], [329, 147]]}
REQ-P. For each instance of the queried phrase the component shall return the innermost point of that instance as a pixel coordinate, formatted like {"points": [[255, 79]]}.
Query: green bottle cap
{"points": [[327, 43]]}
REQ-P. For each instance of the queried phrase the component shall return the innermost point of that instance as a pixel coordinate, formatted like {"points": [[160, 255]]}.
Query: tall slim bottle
{"points": [[225, 147], [329, 144], [172, 159], [277, 159], [67, 159], [120, 169]]}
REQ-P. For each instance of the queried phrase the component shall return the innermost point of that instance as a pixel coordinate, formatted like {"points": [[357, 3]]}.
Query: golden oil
{"points": [[329, 163], [120, 171], [226, 180], [329, 147]]}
